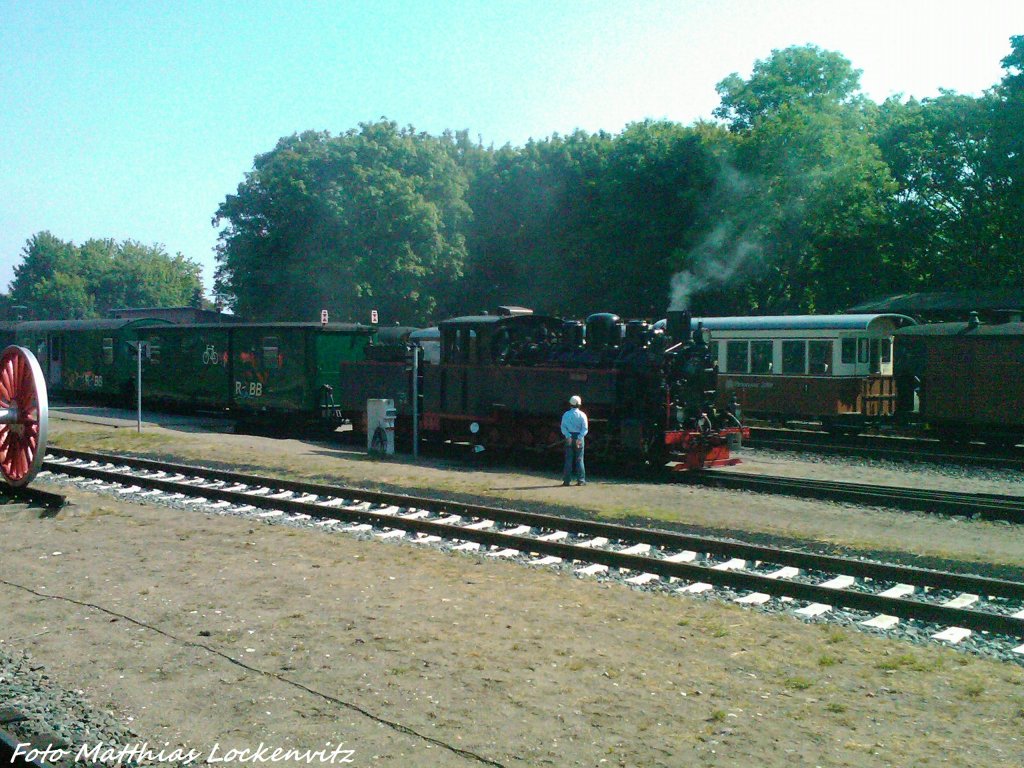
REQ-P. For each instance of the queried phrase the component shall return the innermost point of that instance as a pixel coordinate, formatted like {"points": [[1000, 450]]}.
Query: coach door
{"points": [[460, 350], [856, 355], [54, 360], [866, 355]]}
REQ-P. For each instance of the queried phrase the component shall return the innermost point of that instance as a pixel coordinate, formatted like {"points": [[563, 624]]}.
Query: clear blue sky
{"points": [[135, 119]]}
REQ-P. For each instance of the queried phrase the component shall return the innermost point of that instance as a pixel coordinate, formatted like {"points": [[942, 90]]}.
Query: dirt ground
{"points": [[207, 630]]}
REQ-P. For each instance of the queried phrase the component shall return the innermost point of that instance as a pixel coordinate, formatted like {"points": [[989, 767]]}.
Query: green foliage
{"points": [[914, 662], [808, 197], [801, 76], [798, 683], [799, 229], [609, 218], [1006, 232], [368, 220], [59, 280]]}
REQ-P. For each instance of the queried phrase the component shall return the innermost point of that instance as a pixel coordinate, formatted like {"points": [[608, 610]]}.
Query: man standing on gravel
{"points": [[574, 428]]}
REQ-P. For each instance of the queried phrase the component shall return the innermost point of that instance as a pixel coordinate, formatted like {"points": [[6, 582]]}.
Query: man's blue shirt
{"points": [[574, 421]]}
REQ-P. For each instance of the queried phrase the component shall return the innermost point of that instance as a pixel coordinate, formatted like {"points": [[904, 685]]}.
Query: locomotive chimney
{"points": [[679, 325]]}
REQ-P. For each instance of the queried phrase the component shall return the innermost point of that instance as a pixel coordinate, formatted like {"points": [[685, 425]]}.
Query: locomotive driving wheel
{"points": [[23, 416]]}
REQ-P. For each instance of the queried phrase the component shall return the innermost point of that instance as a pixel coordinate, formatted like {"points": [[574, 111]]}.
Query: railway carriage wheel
{"points": [[23, 416]]}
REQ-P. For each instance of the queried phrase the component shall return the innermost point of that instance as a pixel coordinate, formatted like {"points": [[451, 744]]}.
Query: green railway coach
{"points": [[8, 333], [290, 368], [85, 358], [257, 371], [187, 366]]}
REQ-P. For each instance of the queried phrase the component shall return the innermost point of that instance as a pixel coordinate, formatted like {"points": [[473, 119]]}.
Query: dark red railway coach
{"points": [[963, 380]]}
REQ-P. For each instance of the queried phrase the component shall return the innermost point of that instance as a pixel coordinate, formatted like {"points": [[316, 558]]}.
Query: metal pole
{"points": [[415, 403], [138, 387]]}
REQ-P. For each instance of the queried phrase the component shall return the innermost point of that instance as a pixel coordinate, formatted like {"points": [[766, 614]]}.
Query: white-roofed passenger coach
{"points": [[836, 369]]}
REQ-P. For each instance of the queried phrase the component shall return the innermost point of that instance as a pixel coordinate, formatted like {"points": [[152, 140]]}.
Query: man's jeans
{"points": [[574, 461]]}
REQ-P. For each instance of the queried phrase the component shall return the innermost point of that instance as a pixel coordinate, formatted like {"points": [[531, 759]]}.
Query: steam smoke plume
{"points": [[724, 252], [734, 243]]}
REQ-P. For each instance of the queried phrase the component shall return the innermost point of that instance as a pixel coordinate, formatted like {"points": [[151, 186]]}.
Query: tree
{"points": [[587, 222], [59, 280], [1007, 150], [141, 276], [371, 219], [532, 215], [801, 230], [804, 76], [937, 152], [648, 204]]}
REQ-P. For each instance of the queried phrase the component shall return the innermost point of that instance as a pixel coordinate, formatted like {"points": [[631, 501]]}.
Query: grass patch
{"points": [[798, 683], [834, 635], [909, 661], [825, 660], [717, 629], [835, 707], [974, 689]]}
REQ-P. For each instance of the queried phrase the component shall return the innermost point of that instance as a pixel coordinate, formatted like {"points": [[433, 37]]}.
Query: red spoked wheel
{"points": [[24, 413]]}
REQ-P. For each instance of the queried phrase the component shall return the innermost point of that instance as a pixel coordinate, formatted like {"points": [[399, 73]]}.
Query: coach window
{"points": [[819, 357], [270, 349], [736, 357], [451, 345], [875, 356], [886, 350], [761, 356], [154, 352], [108, 351], [849, 351], [862, 350], [460, 345], [794, 357]]}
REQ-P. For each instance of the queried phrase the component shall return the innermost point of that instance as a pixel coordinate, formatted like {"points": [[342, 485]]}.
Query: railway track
{"points": [[9, 753], [892, 448], [988, 506], [808, 584], [32, 497]]}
